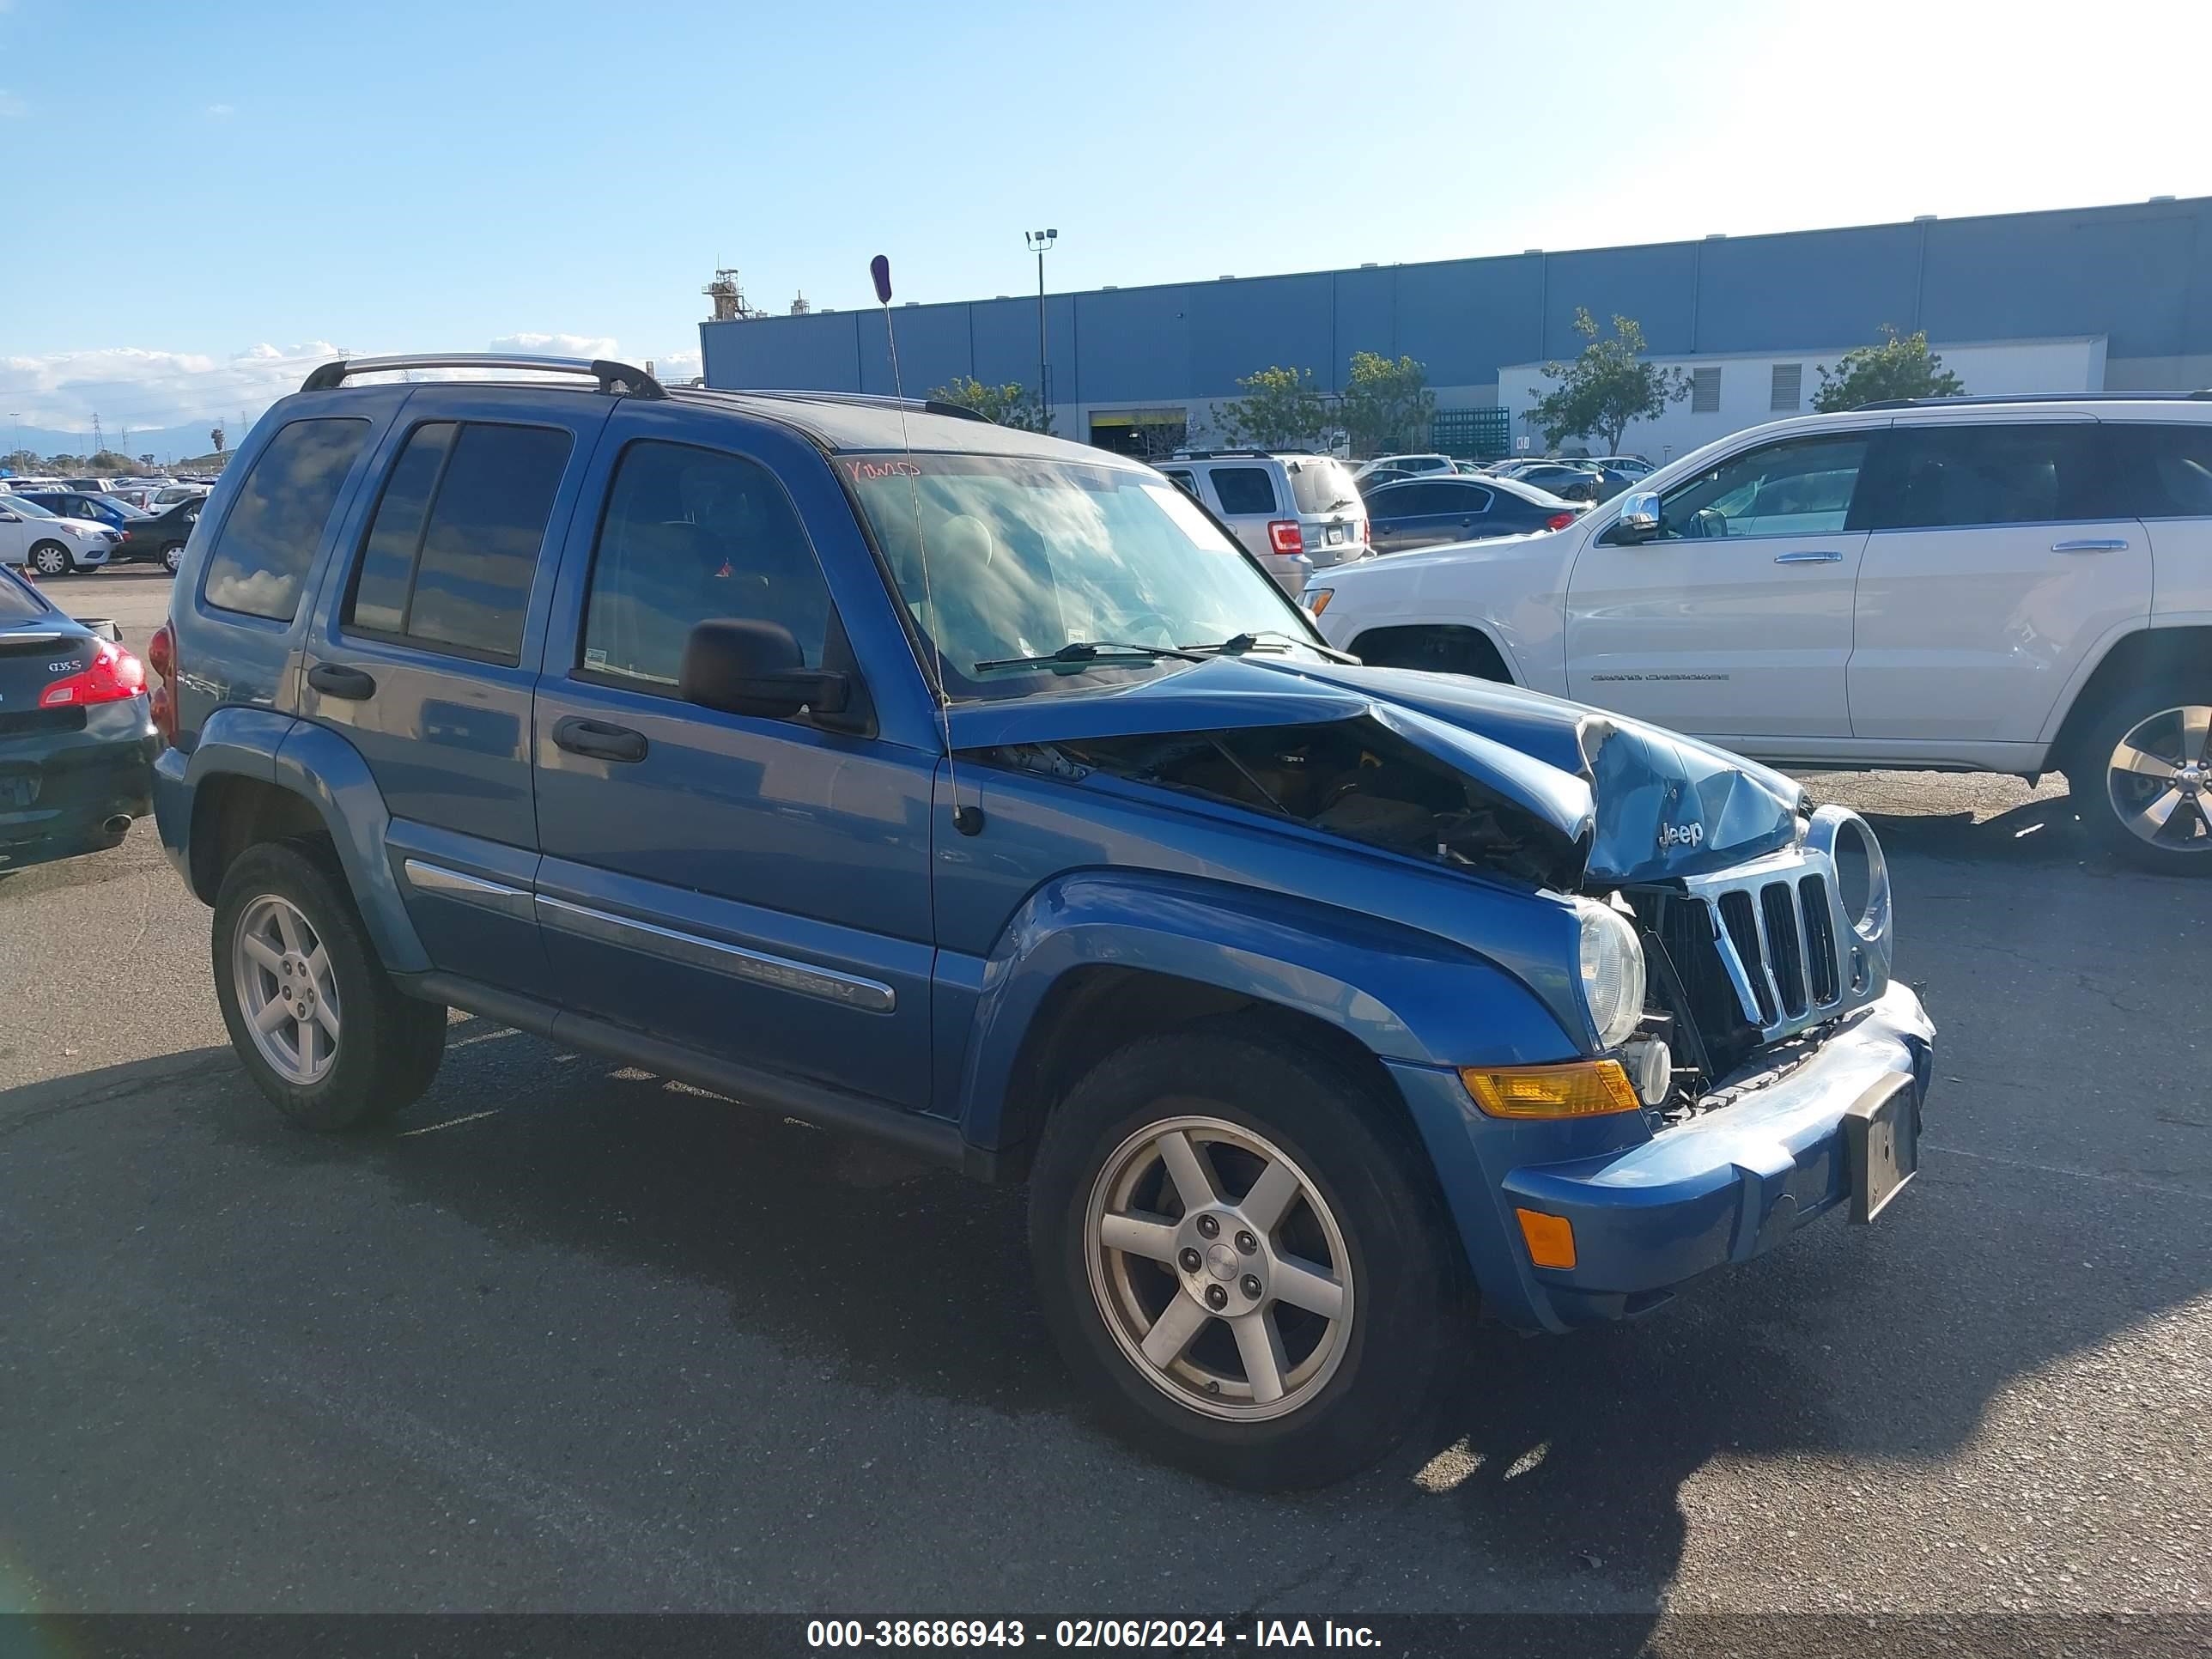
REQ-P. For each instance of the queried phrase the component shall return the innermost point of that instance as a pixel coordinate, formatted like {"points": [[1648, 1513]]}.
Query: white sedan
{"points": [[50, 545]]}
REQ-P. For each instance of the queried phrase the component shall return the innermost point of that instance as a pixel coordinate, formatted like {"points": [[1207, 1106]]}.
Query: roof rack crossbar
{"points": [[1966, 399], [618, 378]]}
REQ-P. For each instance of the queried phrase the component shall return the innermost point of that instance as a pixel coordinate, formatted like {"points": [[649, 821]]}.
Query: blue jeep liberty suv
{"points": [[916, 777]]}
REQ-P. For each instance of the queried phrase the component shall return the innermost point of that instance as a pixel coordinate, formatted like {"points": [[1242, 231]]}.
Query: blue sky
{"points": [[262, 182]]}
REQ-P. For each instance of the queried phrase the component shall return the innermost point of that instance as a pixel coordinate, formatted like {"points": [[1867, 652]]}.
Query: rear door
{"points": [[755, 888], [1734, 621], [1998, 557], [426, 651]]}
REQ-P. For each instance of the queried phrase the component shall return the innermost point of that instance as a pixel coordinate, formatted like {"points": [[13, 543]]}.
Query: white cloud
{"points": [[149, 389], [12, 108], [221, 111]]}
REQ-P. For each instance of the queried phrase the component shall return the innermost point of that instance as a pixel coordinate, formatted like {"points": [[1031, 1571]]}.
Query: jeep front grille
{"points": [[1765, 950]]}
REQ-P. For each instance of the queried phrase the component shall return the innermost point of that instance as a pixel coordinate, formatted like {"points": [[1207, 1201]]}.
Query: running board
{"points": [[935, 1140]]}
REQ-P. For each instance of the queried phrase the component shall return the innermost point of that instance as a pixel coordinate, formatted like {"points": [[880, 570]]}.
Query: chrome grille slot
{"points": [[1742, 923], [1785, 950], [1820, 939]]}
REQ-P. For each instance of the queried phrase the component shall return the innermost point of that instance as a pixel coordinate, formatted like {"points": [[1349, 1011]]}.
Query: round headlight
{"points": [[1612, 972]]}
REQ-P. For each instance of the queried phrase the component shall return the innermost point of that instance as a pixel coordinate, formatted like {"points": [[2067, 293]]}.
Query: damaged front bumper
{"points": [[1722, 1186]]}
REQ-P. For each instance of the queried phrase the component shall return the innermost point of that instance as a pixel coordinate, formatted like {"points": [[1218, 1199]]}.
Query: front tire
{"points": [[2142, 778], [53, 559], [1241, 1256], [316, 1020]]}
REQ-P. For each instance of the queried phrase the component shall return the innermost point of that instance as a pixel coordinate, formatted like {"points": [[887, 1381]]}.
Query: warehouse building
{"points": [[2087, 299]]}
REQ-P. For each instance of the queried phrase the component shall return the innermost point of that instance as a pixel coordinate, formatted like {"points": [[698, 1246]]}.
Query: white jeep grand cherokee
{"points": [[2007, 585]]}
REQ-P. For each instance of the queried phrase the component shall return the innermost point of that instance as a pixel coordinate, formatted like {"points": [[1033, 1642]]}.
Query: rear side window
{"points": [[1244, 489], [454, 549], [17, 602], [1953, 477], [278, 522], [2179, 467]]}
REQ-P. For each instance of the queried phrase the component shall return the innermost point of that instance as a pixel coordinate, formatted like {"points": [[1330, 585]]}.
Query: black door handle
{"points": [[336, 680], [599, 740]]}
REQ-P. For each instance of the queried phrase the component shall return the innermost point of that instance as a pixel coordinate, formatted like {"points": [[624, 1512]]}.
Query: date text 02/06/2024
{"points": [[1084, 1633]]}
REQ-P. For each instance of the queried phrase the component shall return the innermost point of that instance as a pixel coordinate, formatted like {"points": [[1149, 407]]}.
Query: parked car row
{"points": [[40, 539]]}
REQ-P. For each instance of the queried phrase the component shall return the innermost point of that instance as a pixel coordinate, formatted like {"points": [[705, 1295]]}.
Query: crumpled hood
{"points": [[1630, 802]]}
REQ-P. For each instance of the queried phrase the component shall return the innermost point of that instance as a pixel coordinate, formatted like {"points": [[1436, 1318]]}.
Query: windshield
{"points": [[1321, 486], [28, 509], [1027, 557]]}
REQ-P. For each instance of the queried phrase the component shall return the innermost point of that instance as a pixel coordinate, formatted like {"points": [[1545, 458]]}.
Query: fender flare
{"points": [[1404, 996], [1486, 627], [328, 773]]}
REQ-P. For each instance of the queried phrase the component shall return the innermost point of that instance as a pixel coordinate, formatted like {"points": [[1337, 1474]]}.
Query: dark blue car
{"points": [[77, 733], [975, 790], [1428, 511]]}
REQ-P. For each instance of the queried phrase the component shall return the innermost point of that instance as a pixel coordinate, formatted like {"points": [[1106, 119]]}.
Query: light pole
{"points": [[1040, 242]]}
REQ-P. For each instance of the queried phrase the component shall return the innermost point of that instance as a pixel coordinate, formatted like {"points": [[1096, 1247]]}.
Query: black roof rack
{"points": [[619, 379], [1964, 398], [866, 399]]}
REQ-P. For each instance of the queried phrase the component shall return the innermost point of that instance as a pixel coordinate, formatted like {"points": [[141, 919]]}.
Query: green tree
{"points": [[1902, 366], [22, 461], [109, 461], [1008, 405], [1607, 385], [215, 437], [1387, 404], [1281, 409]]}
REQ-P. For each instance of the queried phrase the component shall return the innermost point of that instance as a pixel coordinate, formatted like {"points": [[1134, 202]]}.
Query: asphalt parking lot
{"points": [[572, 1337]]}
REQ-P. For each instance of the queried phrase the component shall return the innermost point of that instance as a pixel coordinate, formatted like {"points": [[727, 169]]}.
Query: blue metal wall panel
{"points": [[1654, 285], [814, 353], [1266, 322], [1135, 342], [1822, 287], [932, 347], [2127, 273], [1504, 300], [1005, 340], [1366, 304]]}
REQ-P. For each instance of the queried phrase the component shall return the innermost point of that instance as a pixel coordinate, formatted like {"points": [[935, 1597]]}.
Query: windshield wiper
{"points": [[1238, 644], [1080, 653]]}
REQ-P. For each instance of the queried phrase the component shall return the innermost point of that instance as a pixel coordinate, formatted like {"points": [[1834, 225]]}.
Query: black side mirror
{"points": [[746, 667]]}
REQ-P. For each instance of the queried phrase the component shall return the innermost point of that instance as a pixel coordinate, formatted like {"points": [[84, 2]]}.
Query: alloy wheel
{"points": [[2159, 780], [1220, 1269], [286, 989]]}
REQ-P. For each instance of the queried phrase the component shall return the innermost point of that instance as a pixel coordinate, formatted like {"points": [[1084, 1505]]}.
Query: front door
{"points": [[2001, 552], [753, 888], [1734, 621], [427, 655]]}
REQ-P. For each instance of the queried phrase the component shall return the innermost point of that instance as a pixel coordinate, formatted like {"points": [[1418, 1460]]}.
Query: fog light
{"points": [[1651, 1063], [1550, 1238], [1582, 1088]]}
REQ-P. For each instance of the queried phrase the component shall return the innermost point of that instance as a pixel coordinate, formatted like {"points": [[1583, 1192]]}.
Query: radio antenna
{"points": [[967, 820]]}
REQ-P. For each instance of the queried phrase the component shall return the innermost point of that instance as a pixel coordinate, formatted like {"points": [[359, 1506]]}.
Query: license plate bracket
{"points": [[1881, 1132], [18, 788]]}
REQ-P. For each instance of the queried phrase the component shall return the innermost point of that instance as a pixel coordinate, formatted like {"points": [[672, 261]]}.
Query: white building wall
{"points": [[1746, 383]]}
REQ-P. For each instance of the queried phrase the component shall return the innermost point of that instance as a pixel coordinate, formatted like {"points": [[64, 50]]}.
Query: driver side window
{"points": [[1799, 487]]}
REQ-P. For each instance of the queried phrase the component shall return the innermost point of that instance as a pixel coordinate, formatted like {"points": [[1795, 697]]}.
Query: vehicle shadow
{"points": [[1554, 1472]]}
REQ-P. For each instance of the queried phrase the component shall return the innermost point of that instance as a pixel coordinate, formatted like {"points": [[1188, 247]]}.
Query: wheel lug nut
{"points": [[1246, 1243], [1216, 1298], [1189, 1260], [1208, 1227], [1250, 1285]]}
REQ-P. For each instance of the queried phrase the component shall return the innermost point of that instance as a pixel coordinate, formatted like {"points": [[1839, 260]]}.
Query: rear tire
{"points": [[1329, 1307], [294, 970], [2141, 776], [172, 557]]}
